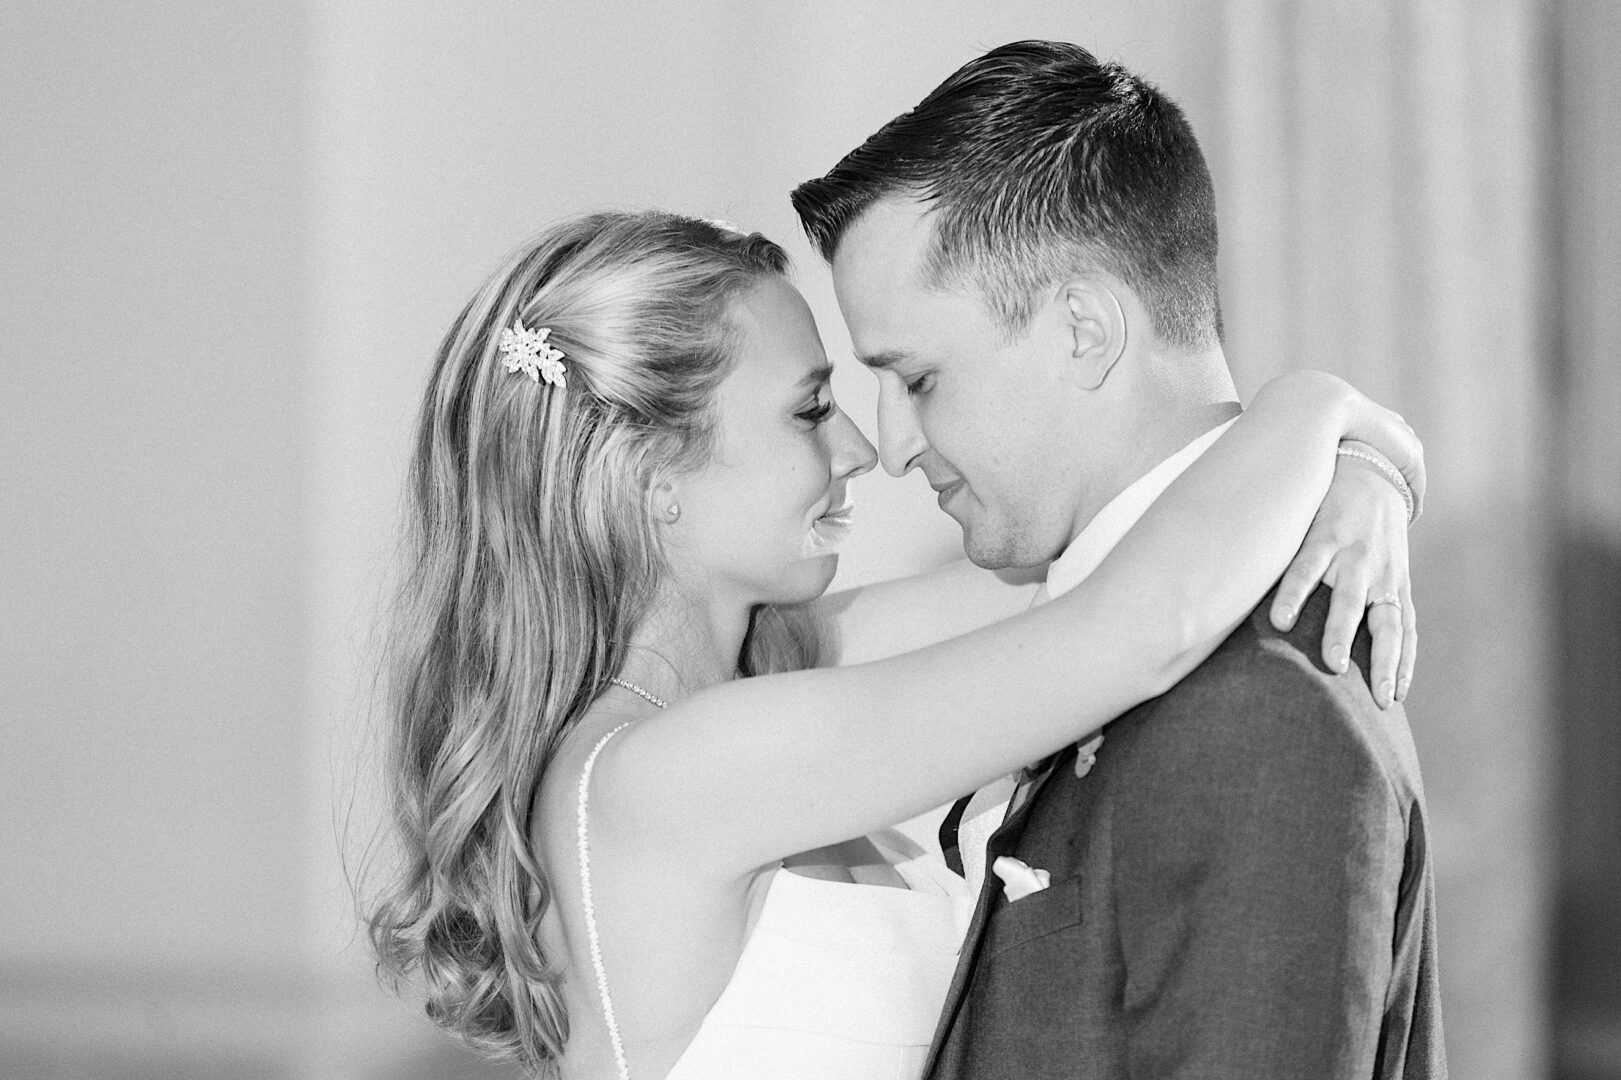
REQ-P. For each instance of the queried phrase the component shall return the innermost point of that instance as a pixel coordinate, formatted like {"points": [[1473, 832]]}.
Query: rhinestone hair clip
{"points": [[527, 351]]}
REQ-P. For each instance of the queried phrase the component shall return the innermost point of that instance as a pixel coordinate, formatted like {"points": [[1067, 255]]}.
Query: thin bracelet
{"points": [[1389, 472]]}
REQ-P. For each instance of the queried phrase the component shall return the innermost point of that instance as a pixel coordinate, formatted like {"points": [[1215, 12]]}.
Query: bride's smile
{"points": [[763, 520]]}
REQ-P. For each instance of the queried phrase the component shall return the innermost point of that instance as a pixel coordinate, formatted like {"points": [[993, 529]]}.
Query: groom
{"points": [[1240, 883]]}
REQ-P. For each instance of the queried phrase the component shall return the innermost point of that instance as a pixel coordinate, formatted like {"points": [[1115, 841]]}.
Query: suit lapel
{"points": [[1002, 841], [1013, 827]]}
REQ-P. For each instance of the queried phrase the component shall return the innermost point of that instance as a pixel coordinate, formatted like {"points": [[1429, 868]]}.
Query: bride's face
{"points": [[764, 520]]}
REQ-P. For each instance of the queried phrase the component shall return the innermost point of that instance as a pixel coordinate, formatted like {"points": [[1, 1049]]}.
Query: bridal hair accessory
{"points": [[1390, 473], [527, 351], [1018, 879]]}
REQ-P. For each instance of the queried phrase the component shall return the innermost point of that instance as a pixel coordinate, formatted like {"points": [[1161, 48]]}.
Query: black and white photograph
{"points": [[810, 541]]}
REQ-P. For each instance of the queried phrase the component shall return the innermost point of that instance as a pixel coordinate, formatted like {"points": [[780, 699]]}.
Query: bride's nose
{"points": [[852, 453]]}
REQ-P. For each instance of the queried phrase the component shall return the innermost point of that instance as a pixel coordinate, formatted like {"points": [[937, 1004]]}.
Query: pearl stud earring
{"points": [[673, 511]]}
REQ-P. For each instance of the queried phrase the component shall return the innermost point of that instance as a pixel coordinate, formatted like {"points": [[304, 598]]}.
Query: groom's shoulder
{"points": [[1266, 699], [1260, 654], [1259, 659]]}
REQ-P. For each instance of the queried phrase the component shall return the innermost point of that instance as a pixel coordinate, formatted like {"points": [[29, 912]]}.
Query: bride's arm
{"points": [[886, 618], [1357, 544], [744, 773]]}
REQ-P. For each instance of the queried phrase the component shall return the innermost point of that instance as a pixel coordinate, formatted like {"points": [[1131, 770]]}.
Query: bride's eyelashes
{"points": [[818, 413], [922, 384]]}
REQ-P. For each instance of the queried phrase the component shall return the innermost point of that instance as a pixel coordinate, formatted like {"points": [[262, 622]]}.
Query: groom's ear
{"points": [[1097, 328]]}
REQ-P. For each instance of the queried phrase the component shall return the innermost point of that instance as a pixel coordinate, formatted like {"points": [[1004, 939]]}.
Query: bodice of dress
{"points": [[837, 981]]}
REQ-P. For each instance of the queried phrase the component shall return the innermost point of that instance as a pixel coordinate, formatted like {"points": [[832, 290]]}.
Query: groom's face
{"points": [[988, 420]]}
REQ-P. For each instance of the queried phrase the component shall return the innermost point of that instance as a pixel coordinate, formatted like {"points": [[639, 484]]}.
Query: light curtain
{"points": [[1382, 171]]}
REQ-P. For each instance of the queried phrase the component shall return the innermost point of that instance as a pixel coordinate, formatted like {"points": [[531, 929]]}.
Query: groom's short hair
{"points": [[1040, 161]]}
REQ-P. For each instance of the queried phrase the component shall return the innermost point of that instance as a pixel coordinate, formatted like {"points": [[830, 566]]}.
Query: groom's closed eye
{"points": [[921, 384]]}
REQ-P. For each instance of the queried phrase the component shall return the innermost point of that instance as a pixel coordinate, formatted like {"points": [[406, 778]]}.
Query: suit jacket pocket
{"points": [[1055, 908]]}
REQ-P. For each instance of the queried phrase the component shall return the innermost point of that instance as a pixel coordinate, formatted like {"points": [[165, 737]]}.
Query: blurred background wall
{"points": [[230, 236]]}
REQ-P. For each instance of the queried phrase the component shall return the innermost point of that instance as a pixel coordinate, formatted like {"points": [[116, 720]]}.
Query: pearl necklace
{"points": [[639, 692]]}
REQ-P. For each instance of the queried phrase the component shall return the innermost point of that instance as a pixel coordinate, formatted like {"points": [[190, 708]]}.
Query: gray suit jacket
{"points": [[1241, 888]]}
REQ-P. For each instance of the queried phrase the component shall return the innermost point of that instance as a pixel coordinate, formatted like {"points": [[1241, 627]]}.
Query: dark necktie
{"points": [[949, 842]]}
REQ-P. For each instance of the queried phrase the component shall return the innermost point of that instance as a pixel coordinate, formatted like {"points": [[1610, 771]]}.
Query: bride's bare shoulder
{"points": [[552, 826]]}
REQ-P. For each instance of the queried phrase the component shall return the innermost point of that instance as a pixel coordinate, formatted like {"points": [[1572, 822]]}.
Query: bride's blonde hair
{"points": [[531, 557]]}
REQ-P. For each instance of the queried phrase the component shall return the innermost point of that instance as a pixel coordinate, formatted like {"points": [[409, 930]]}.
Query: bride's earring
{"points": [[662, 502]]}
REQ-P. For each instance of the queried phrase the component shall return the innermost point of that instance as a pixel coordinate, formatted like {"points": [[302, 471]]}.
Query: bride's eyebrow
{"points": [[814, 377]]}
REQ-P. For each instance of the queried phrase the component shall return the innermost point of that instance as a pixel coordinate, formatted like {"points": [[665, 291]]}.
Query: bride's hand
{"points": [[1357, 545]]}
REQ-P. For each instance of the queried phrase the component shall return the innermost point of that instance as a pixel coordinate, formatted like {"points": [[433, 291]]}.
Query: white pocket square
{"points": [[1019, 880]]}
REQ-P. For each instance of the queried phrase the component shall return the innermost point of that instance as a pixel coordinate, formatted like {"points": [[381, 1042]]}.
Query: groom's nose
{"points": [[900, 437]]}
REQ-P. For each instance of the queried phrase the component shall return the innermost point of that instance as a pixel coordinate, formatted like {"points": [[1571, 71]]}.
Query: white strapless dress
{"points": [[837, 981]]}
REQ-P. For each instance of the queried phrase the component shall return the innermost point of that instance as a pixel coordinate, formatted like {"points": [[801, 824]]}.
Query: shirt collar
{"points": [[1104, 531]]}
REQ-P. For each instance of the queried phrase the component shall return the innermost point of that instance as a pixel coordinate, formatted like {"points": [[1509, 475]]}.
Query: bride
{"points": [[611, 714]]}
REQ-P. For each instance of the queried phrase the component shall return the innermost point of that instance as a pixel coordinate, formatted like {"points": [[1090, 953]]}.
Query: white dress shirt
{"points": [[989, 806]]}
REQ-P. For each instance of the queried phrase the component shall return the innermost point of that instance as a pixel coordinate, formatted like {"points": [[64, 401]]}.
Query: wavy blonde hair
{"points": [[531, 558]]}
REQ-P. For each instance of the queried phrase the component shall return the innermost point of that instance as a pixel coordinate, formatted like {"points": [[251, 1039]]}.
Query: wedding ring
{"points": [[1388, 598]]}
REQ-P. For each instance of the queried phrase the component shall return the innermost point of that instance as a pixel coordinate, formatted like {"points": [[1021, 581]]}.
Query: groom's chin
{"points": [[985, 553], [1001, 549]]}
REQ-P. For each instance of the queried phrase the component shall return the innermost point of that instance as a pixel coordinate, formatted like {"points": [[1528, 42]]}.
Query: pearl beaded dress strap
{"points": [[588, 905], [836, 981]]}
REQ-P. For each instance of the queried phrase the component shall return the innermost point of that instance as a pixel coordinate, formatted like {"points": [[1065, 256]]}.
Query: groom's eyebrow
{"points": [[884, 359]]}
